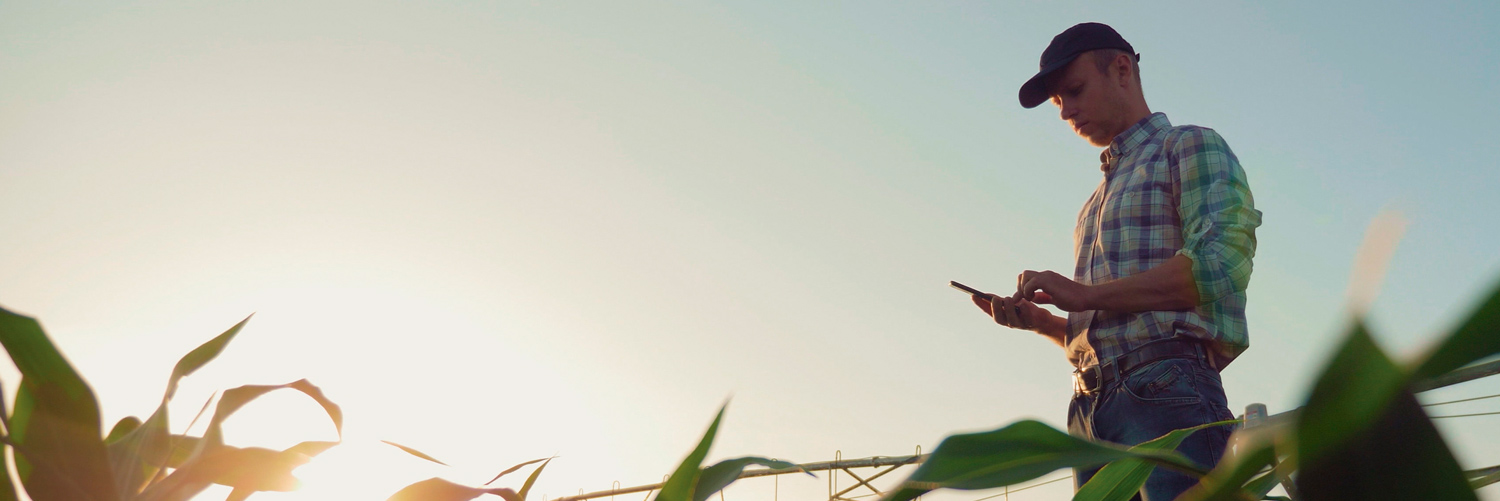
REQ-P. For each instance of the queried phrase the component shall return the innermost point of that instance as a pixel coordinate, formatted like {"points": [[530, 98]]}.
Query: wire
{"points": [[1457, 401], [1465, 415], [1013, 491]]}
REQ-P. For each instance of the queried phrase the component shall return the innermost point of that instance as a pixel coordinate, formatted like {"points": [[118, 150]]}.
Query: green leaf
{"points": [[128, 454], [1353, 390], [122, 428], [437, 489], [531, 480], [60, 453], [1255, 448], [200, 356], [1400, 455], [1016, 453], [679, 486], [414, 452], [512, 469], [1259, 486], [1121, 480], [717, 477], [1474, 339], [1484, 480], [7, 488]]}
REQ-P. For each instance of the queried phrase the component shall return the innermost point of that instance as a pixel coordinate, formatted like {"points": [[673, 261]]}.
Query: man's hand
{"points": [[1048, 287], [1023, 314]]}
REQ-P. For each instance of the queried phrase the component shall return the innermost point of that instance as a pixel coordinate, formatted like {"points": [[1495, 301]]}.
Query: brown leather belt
{"points": [[1093, 378]]}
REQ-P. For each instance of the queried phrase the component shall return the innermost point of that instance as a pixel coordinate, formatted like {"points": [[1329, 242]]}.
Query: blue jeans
{"points": [[1148, 402]]}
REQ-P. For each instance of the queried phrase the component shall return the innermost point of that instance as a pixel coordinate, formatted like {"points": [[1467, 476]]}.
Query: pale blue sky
{"points": [[505, 230]]}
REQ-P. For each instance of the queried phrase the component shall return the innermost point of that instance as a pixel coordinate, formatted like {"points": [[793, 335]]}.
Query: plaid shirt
{"points": [[1166, 191]]}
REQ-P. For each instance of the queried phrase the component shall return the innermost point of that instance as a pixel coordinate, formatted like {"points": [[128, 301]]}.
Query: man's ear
{"points": [[1124, 70]]}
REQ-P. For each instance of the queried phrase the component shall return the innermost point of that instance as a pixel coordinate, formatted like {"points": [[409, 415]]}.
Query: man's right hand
{"points": [[1018, 313]]}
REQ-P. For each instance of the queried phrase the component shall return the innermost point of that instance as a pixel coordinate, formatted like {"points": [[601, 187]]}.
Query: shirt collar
{"points": [[1132, 138]]}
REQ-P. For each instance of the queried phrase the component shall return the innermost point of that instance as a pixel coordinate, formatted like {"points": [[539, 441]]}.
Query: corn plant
{"points": [[438, 489], [1361, 435], [691, 482], [61, 454]]}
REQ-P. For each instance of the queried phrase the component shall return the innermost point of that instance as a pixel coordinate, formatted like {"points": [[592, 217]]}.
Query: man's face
{"points": [[1088, 101]]}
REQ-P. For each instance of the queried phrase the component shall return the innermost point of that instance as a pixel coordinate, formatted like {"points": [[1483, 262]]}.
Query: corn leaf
{"points": [[1228, 483], [306, 449], [7, 489], [200, 356], [1122, 479], [416, 453], [679, 486], [1016, 453], [1348, 397], [250, 468], [1363, 433], [511, 469], [60, 453], [531, 480], [128, 454], [1474, 339], [717, 477], [1484, 480], [437, 489], [1259, 486], [1255, 449], [1400, 456], [121, 428], [236, 398]]}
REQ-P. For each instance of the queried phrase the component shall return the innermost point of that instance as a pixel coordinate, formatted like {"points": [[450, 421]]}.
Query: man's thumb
{"points": [[1040, 297]]}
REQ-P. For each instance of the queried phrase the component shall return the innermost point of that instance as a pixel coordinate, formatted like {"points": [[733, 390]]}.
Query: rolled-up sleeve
{"points": [[1218, 213]]}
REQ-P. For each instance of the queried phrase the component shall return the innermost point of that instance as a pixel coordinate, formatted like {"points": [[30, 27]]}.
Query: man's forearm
{"points": [[1056, 330], [1169, 286]]}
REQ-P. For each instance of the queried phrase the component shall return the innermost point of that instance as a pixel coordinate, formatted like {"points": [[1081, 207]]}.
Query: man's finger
{"points": [[1013, 314], [1041, 297], [1029, 287], [998, 310], [983, 302], [1026, 311]]}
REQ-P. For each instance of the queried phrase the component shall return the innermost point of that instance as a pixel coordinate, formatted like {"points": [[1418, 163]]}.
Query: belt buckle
{"points": [[1081, 379]]}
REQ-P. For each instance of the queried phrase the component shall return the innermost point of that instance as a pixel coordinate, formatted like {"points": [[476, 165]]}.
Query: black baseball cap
{"points": [[1066, 47]]}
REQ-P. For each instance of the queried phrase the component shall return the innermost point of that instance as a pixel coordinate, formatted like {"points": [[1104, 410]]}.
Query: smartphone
{"points": [[972, 291]]}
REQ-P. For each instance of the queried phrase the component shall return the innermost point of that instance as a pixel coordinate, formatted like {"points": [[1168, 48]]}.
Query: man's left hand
{"points": [[1048, 287]]}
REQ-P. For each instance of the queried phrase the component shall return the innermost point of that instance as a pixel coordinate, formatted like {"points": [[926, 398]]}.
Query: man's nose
{"points": [[1065, 110]]}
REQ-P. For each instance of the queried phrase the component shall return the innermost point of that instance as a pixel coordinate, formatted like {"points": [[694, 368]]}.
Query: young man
{"points": [[1156, 305]]}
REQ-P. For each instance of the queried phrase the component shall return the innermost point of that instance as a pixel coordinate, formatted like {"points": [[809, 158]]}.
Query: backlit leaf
{"points": [[200, 356], [246, 469], [235, 398], [60, 453], [679, 486], [717, 477], [531, 480], [437, 489], [513, 469], [414, 452]]}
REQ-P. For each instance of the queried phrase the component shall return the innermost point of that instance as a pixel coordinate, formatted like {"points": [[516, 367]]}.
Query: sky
{"points": [[499, 231]]}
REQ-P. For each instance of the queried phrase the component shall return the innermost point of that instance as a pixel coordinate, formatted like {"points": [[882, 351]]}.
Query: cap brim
{"points": [[1034, 91]]}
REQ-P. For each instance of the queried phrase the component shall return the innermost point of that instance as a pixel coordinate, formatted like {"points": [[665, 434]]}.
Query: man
{"points": [[1156, 305]]}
